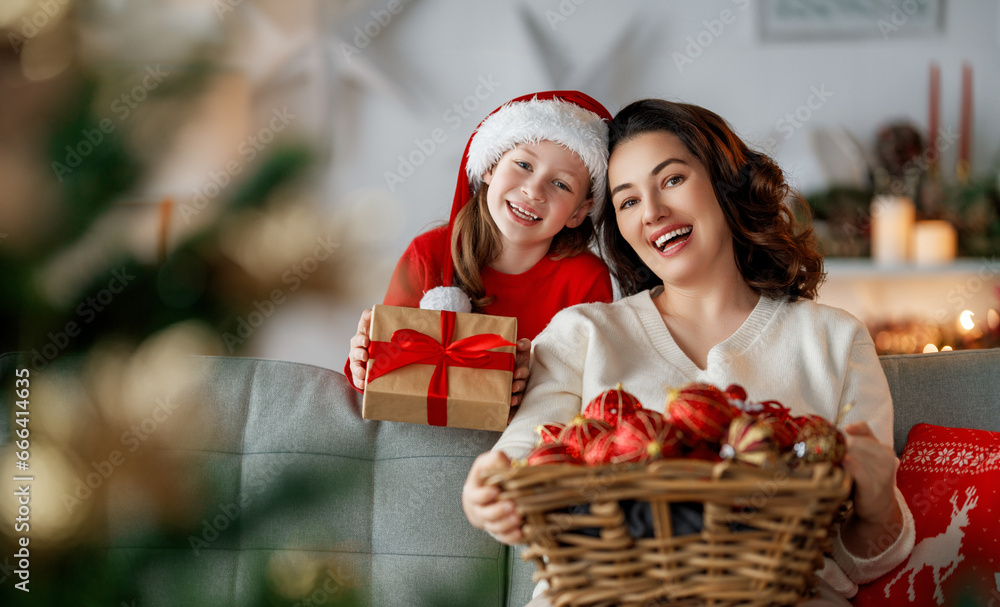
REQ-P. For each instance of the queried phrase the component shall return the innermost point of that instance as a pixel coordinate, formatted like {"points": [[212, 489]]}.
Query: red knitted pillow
{"points": [[951, 480]]}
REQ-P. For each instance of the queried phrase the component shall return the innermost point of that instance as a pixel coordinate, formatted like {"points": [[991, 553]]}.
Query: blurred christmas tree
{"points": [[128, 206], [99, 257], [153, 209]]}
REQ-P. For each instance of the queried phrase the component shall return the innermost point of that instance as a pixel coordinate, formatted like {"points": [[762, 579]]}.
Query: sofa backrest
{"points": [[384, 510], [959, 389], [288, 472]]}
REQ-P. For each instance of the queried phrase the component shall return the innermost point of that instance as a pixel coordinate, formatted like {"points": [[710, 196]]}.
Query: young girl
{"points": [[517, 241], [718, 284]]}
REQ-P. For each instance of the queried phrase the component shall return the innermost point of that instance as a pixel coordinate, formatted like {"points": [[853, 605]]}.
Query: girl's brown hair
{"points": [[475, 243], [775, 255]]}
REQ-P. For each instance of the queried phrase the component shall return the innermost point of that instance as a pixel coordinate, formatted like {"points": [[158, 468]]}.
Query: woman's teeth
{"points": [[661, 242], [523, 213]]}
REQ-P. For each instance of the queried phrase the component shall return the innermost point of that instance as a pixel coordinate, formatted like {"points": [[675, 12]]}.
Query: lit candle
{"points": [[892, 229], [934, 243], [965, 321], [934, 109], [965, 126]]}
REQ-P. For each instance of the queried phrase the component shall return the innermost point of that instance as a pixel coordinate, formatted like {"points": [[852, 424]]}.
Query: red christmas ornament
{"points": [[783, 429], [702, 413], [612, 405], [549, 433], [600, 450], [546, 455], [818, 440], [750, 441], [643, 437], [736, 392], [579, 432], [783, 425]]}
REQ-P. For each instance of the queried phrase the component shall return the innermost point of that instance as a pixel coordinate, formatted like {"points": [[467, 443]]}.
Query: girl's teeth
{"points": [[523, 214]]}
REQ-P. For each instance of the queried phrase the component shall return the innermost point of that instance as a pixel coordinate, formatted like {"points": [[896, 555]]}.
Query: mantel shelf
{"points": [[865, 268]]}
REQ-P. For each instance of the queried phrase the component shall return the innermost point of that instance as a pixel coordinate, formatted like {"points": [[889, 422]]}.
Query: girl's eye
{"points": [[673, 181], [560, 184], [524, 165]]}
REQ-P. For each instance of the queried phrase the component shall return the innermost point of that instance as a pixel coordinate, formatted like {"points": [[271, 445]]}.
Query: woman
{"points": [[718, 284]]}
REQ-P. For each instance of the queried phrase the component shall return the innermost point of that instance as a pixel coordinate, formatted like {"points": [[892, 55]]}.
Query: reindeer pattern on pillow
{"points": [[950, 478]]}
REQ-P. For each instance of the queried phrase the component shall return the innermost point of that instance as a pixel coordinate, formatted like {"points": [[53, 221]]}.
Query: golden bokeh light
{"points": [[293, 575], [16, 15], [50, 517], [965, 320]]}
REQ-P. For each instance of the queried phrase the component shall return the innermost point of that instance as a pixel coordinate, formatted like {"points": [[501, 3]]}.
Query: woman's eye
{"points": [[628, 202], [524, 165], [675, 180]]}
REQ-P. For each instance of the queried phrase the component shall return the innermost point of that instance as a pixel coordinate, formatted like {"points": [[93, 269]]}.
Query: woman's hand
{"points": [[359, 350], [877, 518], [481, 505], [522, 359]]}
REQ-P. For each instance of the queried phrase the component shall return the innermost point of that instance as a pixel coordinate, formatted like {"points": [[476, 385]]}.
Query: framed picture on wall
{"points": [[849, 19]]}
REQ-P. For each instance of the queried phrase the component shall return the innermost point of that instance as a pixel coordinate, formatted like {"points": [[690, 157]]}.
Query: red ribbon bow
{"points": [[409, 347]]}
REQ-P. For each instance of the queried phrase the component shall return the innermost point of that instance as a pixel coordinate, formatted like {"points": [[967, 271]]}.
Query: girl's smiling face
{"points": [[535, 190], [667, 210]]}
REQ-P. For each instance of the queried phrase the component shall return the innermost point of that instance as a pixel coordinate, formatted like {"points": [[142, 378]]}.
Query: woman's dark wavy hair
{"points": [[775, 255]]}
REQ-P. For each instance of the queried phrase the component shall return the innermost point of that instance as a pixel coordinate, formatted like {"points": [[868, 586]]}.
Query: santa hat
{"points": [[568, 118]]}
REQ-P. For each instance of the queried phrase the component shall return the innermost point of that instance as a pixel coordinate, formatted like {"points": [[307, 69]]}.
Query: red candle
{"points": [[934, 109], [965, 129]]}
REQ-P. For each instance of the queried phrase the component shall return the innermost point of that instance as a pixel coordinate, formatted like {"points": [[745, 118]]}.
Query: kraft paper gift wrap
{"points": [[413, 377]]}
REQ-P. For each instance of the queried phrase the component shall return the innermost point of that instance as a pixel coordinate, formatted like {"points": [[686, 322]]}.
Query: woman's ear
{"points": [[580, 213], [488, 175]]}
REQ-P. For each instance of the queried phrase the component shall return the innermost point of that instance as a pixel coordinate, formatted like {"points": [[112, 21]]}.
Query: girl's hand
{"points": [[481, 505], [873, 466], [522, 358], [359, 350]]}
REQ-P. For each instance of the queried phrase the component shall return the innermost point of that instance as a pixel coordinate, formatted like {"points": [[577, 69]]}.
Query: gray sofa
{"points": [[297, 472]]}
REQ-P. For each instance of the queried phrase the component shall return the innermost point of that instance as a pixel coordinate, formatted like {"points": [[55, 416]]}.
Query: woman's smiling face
{"points": [[667, 210]]}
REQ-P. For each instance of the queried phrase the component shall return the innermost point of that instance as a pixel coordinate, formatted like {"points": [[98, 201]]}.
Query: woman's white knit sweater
{"points": [[810, 357]]}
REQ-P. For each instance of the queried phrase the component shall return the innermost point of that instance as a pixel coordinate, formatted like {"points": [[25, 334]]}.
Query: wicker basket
{"points": [[763, 536]]}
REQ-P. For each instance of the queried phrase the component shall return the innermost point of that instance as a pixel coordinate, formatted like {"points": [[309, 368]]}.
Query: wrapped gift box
{"points": [[440, 368]]}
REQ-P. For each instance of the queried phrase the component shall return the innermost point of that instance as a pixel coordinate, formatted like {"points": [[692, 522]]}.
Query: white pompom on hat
{"points": [[451, 299]]}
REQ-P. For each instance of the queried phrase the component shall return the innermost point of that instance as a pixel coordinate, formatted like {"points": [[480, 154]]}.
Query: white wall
{"points": [[385, 92]]}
